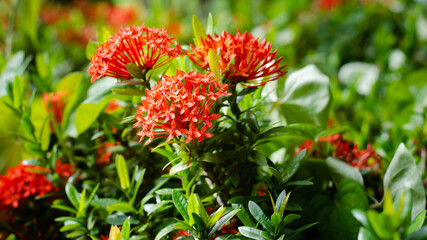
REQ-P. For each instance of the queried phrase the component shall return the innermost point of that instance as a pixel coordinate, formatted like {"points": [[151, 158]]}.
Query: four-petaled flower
{"points": [[180, 105], [242, 58], [147, 48], [23, 181]]}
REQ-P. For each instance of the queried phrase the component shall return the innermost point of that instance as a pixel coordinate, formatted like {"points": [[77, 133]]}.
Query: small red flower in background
{"points": [[112, 106], [118, 16], [180, 233], [179, 105], [329, 4], [147, 48], [55, 105], [348, 152], [103, 155], [23, 181], [243, 59], [64, 169]]}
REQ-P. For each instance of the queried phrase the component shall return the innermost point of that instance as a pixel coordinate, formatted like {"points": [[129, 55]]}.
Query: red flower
{"points": [[118, 16], [180, 105], [23, 181], [55, 105], [329, 4], [64, 170], [243, 59], [112, 106], [104, 156], [147, 48], [180, 233]]}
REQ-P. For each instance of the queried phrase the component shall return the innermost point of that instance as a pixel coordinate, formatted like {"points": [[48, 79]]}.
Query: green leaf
{"points": [[122, 171], [201, 210], [121, 207], [125, 231], [181, 204], [254, 233], [365, 234], [290, 218], [244, 215], [192, 208], [168, 154], [158, 206], [18, 92], [86, 115], [335, 217], [251, 120], [69, 227], [179, 167], [417, 223], [283, 204], [90, 49], [403, 173], [293, 167], [275, 219], [214, 65], [340, 170], [209, 26], [82, 204], [379, 225], [199, 30], [65, 208], [307, 97], [102, 35], [165, 231], [15, 66], [259, 215], [73, 195], [223, 220], [215, 216], [198, 222], [29, 11]]}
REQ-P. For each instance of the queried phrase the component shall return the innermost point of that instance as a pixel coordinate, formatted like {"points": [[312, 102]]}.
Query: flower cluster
{"points": [[349, 152], [243, 59], [147, 48], [180, 105], [64, 170], [23, 181], [55, 105]]}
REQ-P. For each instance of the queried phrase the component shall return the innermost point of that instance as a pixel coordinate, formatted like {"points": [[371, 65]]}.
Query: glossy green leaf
{"points": [[254, 233], [417, 223], [244, 215], [214, 65], [403, 173], [73, 195], [122, 171], [340, 170], [307, 97], [215, 216], [293, 166], [223, 220], [90, 49], [121, 207], [165, 231], [199, 30], [209, 26], [125, 231], [260, 216], [181, 204]]}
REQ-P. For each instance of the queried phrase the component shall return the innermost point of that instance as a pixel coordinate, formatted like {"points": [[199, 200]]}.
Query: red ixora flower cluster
{"points": [[23, 181], [243, 59], [55, 105], [147, 48], [180, 105], [348, 152]]}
